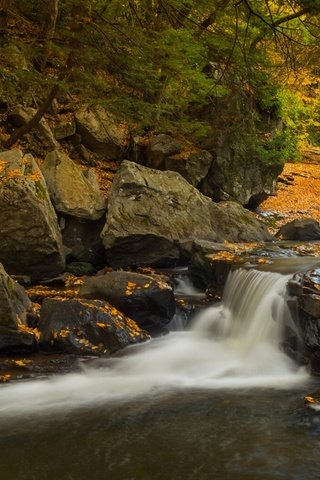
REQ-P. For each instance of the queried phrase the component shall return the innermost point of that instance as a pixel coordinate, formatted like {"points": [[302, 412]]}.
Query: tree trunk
{"points": [[48, 31]]}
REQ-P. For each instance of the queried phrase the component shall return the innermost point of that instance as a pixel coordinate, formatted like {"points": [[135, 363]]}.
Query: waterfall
{"points": [[231, 345]]}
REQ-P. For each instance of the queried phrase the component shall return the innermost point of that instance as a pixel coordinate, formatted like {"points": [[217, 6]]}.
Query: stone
{"points": [[160, 147], [21, 115], [30, 238], [85, 327], [234, 223], [301, 229], [15, 336], [101, 132], [149, 300], [64, 130], [243, 141], [82, 238], [151, 213], [248, 183], [303, 298], [73, 191], [194, 167]]}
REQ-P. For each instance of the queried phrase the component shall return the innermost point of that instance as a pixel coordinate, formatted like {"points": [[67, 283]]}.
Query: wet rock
{"points": [[301, 229], [82, 326], [211, 264], [73, 191], [148, 300], [30, 238], [82, 238], [304, 303], [150, 213], [101, 133], [15, 335], [160, 147]]}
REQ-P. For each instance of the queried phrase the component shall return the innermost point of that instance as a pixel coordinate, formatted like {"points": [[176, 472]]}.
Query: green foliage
{"points": [[164, 65]]}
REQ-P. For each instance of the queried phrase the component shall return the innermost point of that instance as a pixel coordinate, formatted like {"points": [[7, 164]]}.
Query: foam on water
{"points": [[232, 345]]}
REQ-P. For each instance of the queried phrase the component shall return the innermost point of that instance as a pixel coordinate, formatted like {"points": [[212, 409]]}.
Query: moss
{"points": [[41, 190]]}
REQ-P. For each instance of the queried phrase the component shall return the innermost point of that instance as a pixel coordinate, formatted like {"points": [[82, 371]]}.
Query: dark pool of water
{"points": [[197, 435]]}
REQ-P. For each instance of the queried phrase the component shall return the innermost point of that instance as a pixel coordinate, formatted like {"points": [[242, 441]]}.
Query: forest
{"points": [[179, 66], [159, 239]]}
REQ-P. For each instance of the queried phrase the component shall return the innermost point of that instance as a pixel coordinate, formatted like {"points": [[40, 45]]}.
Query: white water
{"points": [[184, 286], [234, 345]]}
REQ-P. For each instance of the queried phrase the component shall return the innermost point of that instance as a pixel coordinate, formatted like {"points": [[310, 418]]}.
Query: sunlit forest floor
{"points": [[298, 191]]}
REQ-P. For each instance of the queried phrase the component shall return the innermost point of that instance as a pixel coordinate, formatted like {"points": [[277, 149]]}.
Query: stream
{"points": [[219, 400]]}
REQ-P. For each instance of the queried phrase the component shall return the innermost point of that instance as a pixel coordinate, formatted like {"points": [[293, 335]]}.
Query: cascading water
{"points": [[233, 345]]}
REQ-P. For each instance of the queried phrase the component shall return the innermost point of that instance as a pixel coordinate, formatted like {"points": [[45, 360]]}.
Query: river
{"points": [[219, 401]]}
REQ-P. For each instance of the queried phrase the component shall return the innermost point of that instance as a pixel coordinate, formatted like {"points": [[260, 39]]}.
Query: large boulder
{"points": [[301, 229], [73, 191], [149, 300], [30, 238], [83, 326], [15, 336], [101, 132], [234, 223], [248, 183], [150, 213]]}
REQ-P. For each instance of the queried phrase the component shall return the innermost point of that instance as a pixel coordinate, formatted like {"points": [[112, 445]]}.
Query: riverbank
{"points": [[297, 193]]}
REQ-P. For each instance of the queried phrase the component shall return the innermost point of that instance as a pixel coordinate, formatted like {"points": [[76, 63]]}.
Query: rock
{"points": [[211, 262], [64, 130], [209, 274], [301, 229], [230, 179], [304, 302], [160, 147], [148, 300], [101, 132], [83, 326], [43, 132], [15, 335], [30, 238], [234, 223], [73, 191], [82, 238], [193, 167], [150, 213]]}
